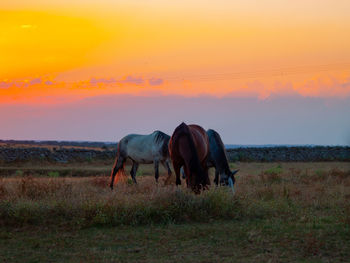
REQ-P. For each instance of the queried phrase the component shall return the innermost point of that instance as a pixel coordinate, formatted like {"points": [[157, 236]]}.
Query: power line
{"points": [[276, 72]]}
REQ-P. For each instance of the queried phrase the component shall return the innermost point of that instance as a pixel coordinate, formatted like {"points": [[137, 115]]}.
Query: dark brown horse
{"points": [[189, 147]]}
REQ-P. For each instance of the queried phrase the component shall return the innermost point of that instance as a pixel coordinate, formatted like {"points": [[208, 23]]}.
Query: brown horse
{"points": [[189, 147]]}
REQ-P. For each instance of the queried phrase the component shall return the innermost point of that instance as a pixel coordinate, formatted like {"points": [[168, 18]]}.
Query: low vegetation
{"points": [[278, 213], [89, 201]]}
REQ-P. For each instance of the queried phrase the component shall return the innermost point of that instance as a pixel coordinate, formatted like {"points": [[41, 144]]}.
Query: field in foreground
{"points": [[280, 213]]}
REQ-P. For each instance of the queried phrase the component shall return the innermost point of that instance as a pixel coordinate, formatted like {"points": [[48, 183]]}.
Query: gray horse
{"points": [[144, 149], [217, 158]]}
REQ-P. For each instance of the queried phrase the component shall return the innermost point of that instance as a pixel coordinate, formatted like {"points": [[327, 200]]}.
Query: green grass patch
{"points": [[265, 240], [53, 174], [274, 170]]}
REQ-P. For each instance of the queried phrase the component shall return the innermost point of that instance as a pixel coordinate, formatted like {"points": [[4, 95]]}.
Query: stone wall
{"points": [[268, 154], [10, 155], [290, 154]]}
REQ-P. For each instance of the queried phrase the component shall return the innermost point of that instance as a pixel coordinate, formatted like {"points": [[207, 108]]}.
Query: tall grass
{"points": [[88, 201]]}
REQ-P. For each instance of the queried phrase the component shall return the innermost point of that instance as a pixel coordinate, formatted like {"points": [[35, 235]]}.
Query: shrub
{"points": [[272, 175], [274, 170], [139, 172], [3, 191], [319, 175], [339, 173], [100, 181], [53, 174], [19, 173]]}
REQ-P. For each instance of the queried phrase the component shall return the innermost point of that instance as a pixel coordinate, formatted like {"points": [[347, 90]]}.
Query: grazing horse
{"points": [[218, 159], [145, 149], [189, 147]]}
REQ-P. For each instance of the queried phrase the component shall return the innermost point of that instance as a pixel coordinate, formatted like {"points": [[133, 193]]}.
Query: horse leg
{"points": [[133, 171], [183, 173], [177, 173], [167, 167], [119, 162], [156, 170], [216, 180], [205, 181]]}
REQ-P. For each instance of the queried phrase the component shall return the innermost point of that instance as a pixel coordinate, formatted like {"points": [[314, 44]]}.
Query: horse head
{"points": [[228, 178]]}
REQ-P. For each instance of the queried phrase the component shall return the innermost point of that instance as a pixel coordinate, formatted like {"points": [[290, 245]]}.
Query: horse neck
{"points": [[220, 156]]}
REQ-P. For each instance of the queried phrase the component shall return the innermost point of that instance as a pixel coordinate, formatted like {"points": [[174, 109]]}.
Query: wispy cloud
{"points": [[155, 81], [5, 85], [132, 80], [25, 83], [35, 81], [320, 87], [28, 26], [95, 81]]}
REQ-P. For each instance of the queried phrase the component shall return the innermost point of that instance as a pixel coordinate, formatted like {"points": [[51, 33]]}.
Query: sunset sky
{"points": [[268, 71]]}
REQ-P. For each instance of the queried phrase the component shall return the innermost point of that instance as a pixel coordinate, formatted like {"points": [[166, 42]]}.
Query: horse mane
{"points": [[162, 139], [184, 130], [221, 152]]}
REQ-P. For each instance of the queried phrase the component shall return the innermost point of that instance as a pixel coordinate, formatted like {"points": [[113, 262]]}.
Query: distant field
{"points": [[70, 144], [281, 212], [47, 146], [104, 168]]}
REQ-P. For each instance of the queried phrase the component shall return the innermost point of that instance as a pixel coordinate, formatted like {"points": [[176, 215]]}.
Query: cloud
{"points": [[28, 26], [132, 80], [48, 82], [320, 87], [326, 86], [346, 84], [155, 81], [35, 81], [95, 81], [264, 91], [5, 85], [127, 80]]}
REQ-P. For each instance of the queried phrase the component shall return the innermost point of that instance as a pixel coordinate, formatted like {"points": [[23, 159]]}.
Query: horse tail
{"points": [[120, 174], [194, 163], [118, 170]]}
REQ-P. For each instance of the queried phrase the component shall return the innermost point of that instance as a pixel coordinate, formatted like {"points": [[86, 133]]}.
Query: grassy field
{"points": [[286, 212]]}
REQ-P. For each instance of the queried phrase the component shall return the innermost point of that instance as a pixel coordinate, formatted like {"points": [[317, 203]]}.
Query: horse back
{"points": [[145, 148], [201, 141]]}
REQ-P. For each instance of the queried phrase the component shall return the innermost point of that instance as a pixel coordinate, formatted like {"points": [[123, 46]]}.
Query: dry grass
{"points": [[87, 201], [280, 213]]}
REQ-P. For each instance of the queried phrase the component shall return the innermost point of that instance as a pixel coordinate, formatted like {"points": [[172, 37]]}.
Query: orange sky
{"points": [[63, 51]]}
